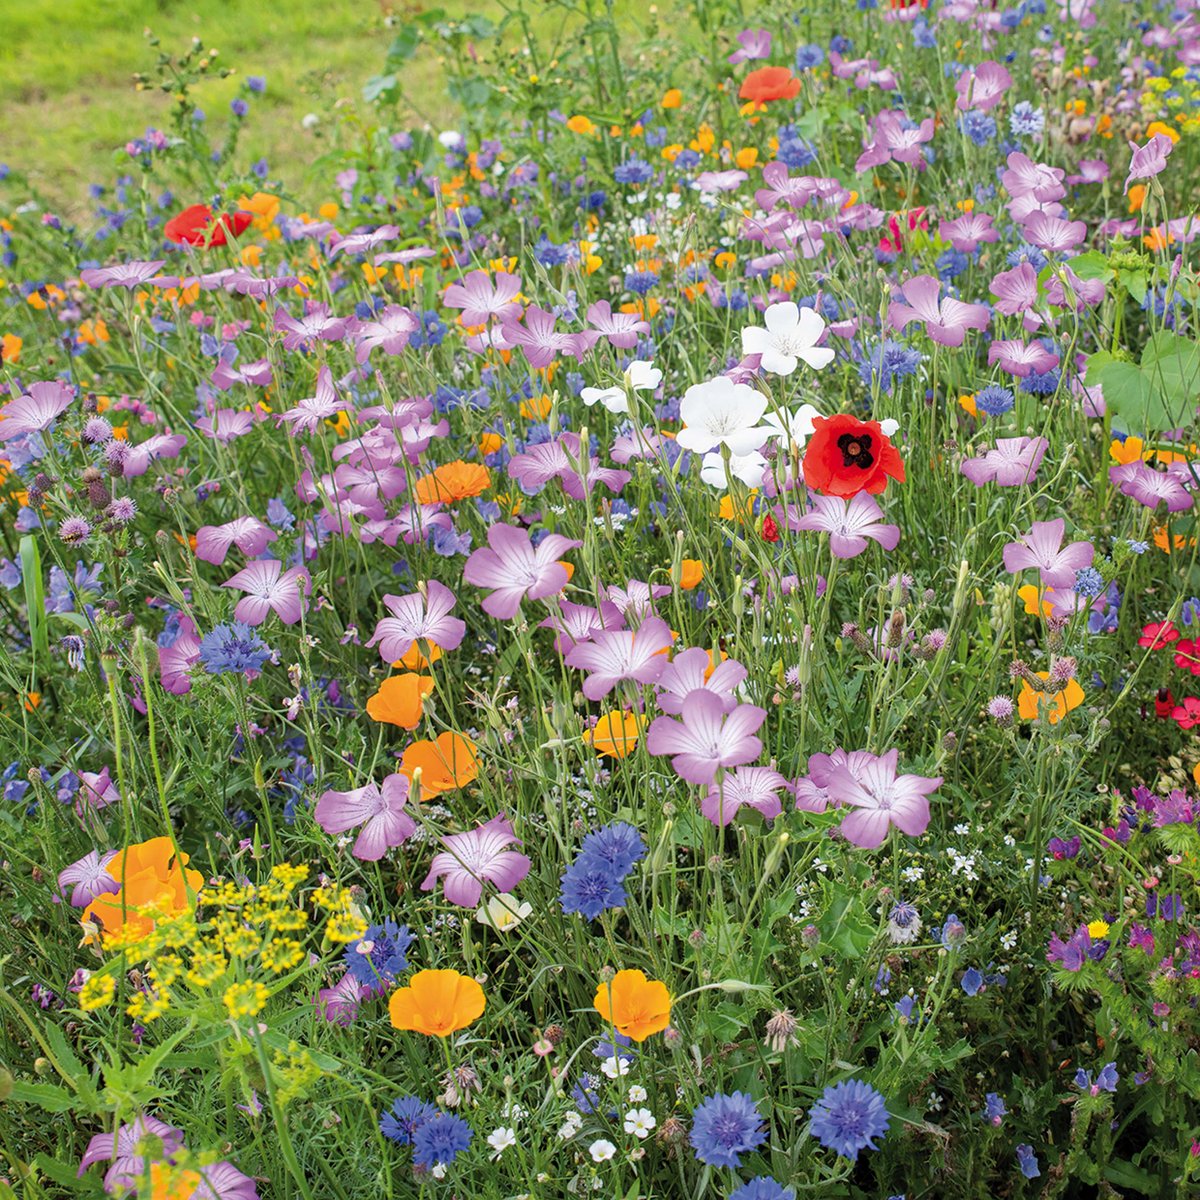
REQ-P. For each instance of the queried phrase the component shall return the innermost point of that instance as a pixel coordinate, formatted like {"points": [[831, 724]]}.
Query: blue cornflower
{"points": [[440, 1140], [380, 955], [404, 1118], [849, 1117], [994, 1110], [233, 649], [808, 57], [257, 84], [640, 282], [794, 151], [951, 263], [1189, 614], [1136, 547], [763, 1187], [971, 981], [726, 1127], [923, 37], [994, 400], [1025, 120], [584, 1093], [978, 126], [1026, 253], [239, 107], [1027, 1161], [1041, 383], [589, 889], [888, 362], [954, 933], [1089, 582], [617, 847], [634, 171]]}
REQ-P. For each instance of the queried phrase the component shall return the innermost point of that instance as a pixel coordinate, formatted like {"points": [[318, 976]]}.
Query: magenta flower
{"points": [[1015, 290], [339, 1004], [538, 339], [477, 857], [849, 523], [516, 570], [1150, 159], [176, 660], [688, 672], [90, 878], [1085, 291], [752, 43], [36, 410], [250, 535], [390, 332], [126, 275], [1042, 549], [559, 459], [707, 739], [312, 410], [574, 623], [96, 791], [754, 787], [268, 588], [621, 329], [480, 299], [1053, 234], [968, 232], [1013, 462], [636, 598], [223, 1181], [1021, 359], [225, 424], [363, 243], [253, 374], [983, 87], [1024, 177], [128, 1166], [613, 656], [421, 616], [317, 325], [880, 798], [380, 812], [1150, 487], [946, 321]]}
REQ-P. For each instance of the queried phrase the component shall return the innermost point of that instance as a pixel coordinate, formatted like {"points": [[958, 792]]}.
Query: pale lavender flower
{"points": [[754, 787], [516, 570], [36, 410], [1042, 549], [691, 671], [268, 588], [752, 43], [849, 523], [574, 623], [621, 329], [481, 300], [362, 243], [317, 325], [126, 275], [1150, 159], [250, 535], [90, 878], [121, 1147], [707, 739], [982, 87], [1021, 359], [613, 656], [1147, 486], [380, 812], [880, 797], [969, 231], [477, 857], [390, 331], [946, 321], [1013, 462], [421, 616], [305, 416]]}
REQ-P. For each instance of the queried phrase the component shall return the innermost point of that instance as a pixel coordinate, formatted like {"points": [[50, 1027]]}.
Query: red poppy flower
{"points": [[846, 456], [1187, 655], [1187, 714], [770, 530], [195, 227], [1158, 634], [770, 83]]}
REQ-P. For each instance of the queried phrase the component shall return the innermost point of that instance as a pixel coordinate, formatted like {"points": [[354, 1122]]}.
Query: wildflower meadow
{"points": [[629, 626]]}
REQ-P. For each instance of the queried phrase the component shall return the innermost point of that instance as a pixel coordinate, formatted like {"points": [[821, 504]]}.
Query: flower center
{"points": [[856, 450]]}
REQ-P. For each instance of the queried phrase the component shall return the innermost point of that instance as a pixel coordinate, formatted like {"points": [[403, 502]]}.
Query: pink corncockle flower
{"points": [[752, 787], [1025, 208], [225, 424], [413, 523], [849, 523], [136, 460], [982, 87], [379, 810], [811, 791], [250, 535], [420, 617], [613, 656], [575, 623], [90, 878], [692, 671], [1042, 549], [1024, 177], [129, 1166], [781, 188], [880, 798], [969, 231], [791, 336], [1021, 359], [636, 598], [226, 375], [559, 459], [477, 857], [312, 410], [176, 660], [539, 340], [36, 410], [894, 138], [480, 299], [403, 257], [864, 72], [1091, 170], [1085, 292], [317, 325], [223, 1181], [126, 275], [269, 588], [1012, 463], [96, 791], [1150, 159], [339, 1004], [1053, 234], [1147, 486], [621, 329], [720, 412], [946, 321], [390, 331], [638, 443], [516, 570], [363, 243], [1016, 290], [707, 738], [714, 182], [752, 43]]}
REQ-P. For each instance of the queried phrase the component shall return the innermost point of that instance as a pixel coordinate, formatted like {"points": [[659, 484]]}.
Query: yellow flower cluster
{"points": [[1166, 102]]}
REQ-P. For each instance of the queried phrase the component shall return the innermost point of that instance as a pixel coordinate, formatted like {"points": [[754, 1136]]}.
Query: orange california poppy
{"points": [[452, 481], [437, 1003], [450, 762], [1056, 706], [690, 574], [634, 1005], [399, 699], [769, 83], [147, 873], [616, 734], [415, 660]]}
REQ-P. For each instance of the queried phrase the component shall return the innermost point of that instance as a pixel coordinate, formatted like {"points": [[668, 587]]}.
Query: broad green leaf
{"points": [[46, 1096]]}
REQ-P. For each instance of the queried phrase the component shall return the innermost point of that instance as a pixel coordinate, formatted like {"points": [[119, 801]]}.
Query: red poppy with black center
{"points": [[846, 456], [195, 227]]}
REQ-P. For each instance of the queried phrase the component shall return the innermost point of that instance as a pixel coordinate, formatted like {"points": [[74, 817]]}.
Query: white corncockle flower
{"points": [[451, 139], [636, 1093], [614, 1066], [788, 427], [503, 912], [791, 334], [601, 1150], [748, 468], [500, 1139], [721, 412], [640, 1122], [889, 426], [639, 377]]}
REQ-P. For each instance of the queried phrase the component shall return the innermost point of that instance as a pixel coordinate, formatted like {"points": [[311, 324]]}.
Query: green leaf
{"points": [[62, 1173], [404, 46], [1123, 1173], [845, 925], [47, 1096], [1173, 363], [35, 600], [380, 87]]}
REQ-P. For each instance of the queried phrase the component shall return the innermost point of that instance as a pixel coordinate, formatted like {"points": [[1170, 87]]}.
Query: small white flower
{"points": [[792, 427], [721, 412], [439, 1171], [748, 468], [615, 1066], [500, 1139], [503, 912], [890, 427], [451, 139], [791, 334], [601, 1150], [639, 1122], [636, 1093], [310, 121], [640, 377]]}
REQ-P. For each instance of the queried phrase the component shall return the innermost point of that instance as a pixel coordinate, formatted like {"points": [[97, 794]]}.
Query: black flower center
{"points": [[856, 450]]}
